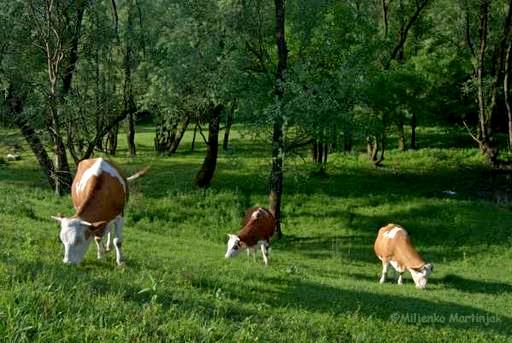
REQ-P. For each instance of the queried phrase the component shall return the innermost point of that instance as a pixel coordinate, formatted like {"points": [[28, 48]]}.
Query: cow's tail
{"points": [[138, 174]]}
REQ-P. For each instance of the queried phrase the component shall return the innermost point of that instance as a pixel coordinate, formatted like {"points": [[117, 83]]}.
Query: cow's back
{"points": [[99, 190], [393, 243], [258, 224]]}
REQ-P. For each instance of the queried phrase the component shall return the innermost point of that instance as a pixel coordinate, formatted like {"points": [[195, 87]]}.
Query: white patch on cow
{"points": [[396, 266], [73, 236], [96, 169], [392, 233], [421, 277], [257, 213]]}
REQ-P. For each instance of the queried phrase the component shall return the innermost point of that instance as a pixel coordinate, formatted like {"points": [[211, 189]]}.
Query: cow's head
{"points": [[75, 234], [420, 276], [234, 246]]}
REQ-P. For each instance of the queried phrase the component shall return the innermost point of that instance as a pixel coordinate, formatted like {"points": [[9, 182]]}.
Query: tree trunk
{"points": [[486, 110], [401, 135], [179, 134], [194, 138], [380, 145], [72, 58], [506, 92], [376, 144], [229, 122], [111, 142], [62, 172], [404, 31], [52, 42], [314, 150], [165, 134], [15, 103], [371, 147], [413, 131], [132, 151], [205, 174], [129, 102], [347, 139], [276, 182]]}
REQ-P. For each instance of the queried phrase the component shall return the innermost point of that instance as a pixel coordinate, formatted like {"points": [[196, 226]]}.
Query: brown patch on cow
{"points": [[101, 200], [399, 248], [259, 228]]}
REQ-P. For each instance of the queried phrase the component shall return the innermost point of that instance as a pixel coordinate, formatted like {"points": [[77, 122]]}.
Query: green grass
{"points": [[321, 284]]}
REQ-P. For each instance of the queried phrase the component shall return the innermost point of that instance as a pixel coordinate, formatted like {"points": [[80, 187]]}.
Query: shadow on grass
{"points": [[306, 295], [348, 247], [475, 286]]}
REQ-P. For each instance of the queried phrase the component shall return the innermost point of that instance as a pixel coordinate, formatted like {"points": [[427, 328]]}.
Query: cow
{"points": [[394, 247], [99, 193], [258, 227], [13, 157]]}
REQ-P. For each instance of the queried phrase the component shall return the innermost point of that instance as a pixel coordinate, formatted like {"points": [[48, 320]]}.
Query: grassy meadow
{"points": [[321, 285]]}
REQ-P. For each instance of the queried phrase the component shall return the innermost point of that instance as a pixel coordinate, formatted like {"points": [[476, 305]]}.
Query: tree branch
{"points": [[403, 36]]}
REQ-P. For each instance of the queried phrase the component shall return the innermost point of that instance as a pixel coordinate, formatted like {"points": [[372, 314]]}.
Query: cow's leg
{"points": [[400, 278], [251, 251], [264, 252], [100, 247], [385, 265], [109, 235], [109, 242], [118, 239]]}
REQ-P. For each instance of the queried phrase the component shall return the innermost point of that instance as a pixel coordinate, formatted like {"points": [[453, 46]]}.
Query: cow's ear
{"points": [[242, 244], [85, 223], [58, 218]]}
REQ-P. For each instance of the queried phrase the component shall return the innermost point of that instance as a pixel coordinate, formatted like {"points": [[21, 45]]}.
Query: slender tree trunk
{"points": [[15, 103], [179, 134], [165, 132], [51, 38], [413, 131], [314, 150], [111, 143], [72, 57], [276, 182], [205, 174], [132, 151], [401, 135], [506, 91], [485, 110], [385, 8], [347, 138], [404, 32], [229, 122], [129, 102], [194, 138], [371, 147], [62, 172]]}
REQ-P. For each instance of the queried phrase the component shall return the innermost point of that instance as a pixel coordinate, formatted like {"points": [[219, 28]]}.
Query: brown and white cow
{"points": [[99, 193], [258, 227], [394, 247]]}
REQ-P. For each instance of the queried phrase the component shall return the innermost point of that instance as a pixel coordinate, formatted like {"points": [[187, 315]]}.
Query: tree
{"points": [[489, 78], [205, 174], [276, 178]]}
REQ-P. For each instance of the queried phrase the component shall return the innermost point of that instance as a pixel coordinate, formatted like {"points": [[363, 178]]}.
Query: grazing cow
{"points": [[13, 157], [258, 226], [99, 192], [394, 247]]}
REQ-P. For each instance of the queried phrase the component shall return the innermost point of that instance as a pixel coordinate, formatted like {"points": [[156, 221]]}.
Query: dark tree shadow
{"points": [[305, 295], [475, 286]]}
